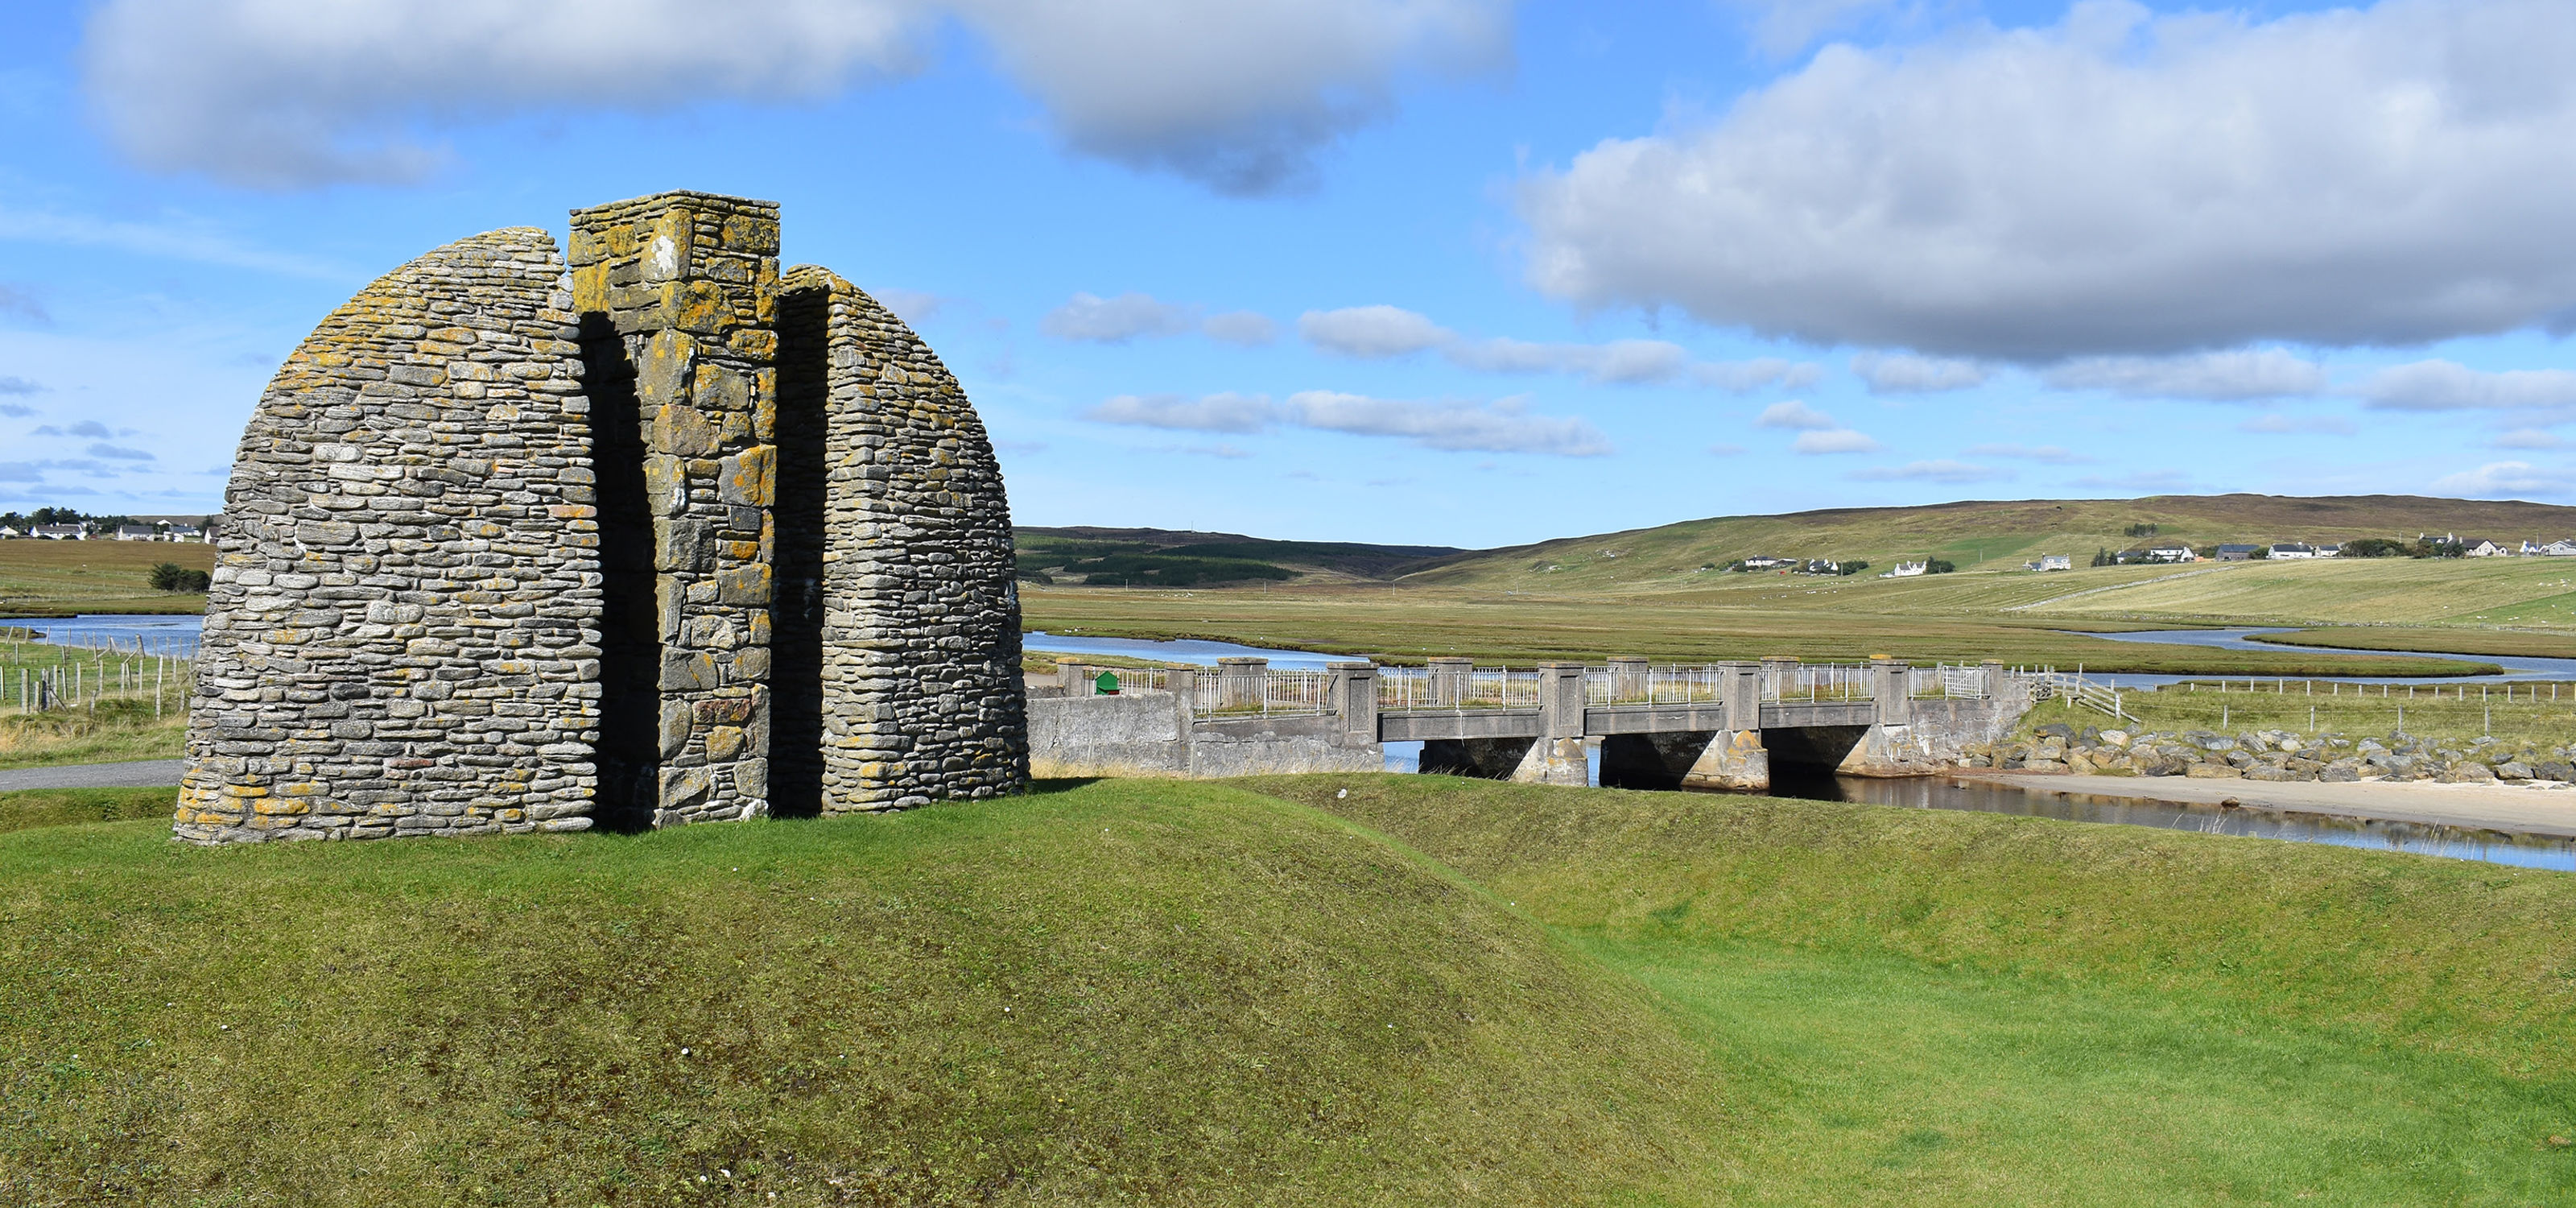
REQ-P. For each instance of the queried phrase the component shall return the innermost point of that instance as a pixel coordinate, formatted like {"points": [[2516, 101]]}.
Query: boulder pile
{"points": [[2272, 755]]}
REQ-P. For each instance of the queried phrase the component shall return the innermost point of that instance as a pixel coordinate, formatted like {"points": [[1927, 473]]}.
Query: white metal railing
{"points": [[1817, 681], [1945, 681], [1431, 689], [2075, 689], [1675, 684], [1264, 693]]}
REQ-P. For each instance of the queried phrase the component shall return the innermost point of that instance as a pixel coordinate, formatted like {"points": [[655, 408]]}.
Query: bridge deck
{"points": [[1602, 721]]}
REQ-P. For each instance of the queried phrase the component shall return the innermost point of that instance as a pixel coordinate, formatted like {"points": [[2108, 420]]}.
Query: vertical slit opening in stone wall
{"points": [[629, 750], [796, 641]]}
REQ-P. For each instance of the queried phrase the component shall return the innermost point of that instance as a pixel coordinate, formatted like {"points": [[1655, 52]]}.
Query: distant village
{"points": [[63, 524], [2425, 545]]}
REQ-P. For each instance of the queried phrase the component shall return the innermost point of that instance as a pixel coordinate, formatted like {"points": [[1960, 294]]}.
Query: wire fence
{"points": [[39, 677]]}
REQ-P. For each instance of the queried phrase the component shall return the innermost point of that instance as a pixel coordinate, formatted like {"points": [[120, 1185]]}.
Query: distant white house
{"points": [[59, 532], [2169, 553], [2056, 562], [2236, 552], [2480, 547], [8, 533], [135, 532], [2559, 549], [2293, 549], [1766, 562], [182, 532], [2531, 548], [1906, 570]]}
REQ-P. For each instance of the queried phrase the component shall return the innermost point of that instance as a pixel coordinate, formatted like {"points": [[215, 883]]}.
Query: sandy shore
{"points": [[2511, 808]]}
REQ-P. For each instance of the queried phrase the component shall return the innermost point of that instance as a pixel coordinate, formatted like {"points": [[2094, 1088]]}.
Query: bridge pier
{"points": [[1557, 755]]}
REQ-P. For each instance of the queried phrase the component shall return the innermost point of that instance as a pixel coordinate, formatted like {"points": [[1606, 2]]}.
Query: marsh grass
{"points": [[2454, 712]]}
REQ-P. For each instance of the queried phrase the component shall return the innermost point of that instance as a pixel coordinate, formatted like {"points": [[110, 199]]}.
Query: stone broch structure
{"points": [[650, 534]]}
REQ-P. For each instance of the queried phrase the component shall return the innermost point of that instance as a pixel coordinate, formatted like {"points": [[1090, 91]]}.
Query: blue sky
{"points": [[1437, 271]]}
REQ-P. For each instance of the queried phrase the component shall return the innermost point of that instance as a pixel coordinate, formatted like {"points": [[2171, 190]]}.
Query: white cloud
{"points": [[1245, 328], [294, 93], [1904, 373], [1498, 428], [2297, 425], [2234, 376], [1839, 440], [1214, 413], [1099, 320], [1930, 471], [1380, 332], [2121, 183], [2507, 479], [1794, 414], [2451, 386], [2045, 453], [1503, 426], [1372, 332], [2528, 438]]}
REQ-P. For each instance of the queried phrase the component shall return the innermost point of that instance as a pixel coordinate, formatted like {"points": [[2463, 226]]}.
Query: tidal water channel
{"points": [[178, 634]]}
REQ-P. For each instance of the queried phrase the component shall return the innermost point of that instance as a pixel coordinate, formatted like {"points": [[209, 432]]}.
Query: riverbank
{"points": [[2541, 808]]}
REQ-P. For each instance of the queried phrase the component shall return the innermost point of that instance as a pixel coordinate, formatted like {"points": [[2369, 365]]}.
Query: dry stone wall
{"points": [[398, 639], [511, 547], [922, 697]]}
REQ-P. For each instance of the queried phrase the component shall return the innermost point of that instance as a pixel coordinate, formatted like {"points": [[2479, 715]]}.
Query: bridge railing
{"points": [[1817, 682], [1220, 692], [1947, 681], [1431, 689], [1675, 684]]}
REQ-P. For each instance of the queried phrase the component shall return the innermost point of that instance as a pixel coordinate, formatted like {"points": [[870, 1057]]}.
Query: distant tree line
{"points": [[172, 577]]}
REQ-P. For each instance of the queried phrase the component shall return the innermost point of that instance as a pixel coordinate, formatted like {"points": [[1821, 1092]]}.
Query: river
{"points": [[178, 634]]}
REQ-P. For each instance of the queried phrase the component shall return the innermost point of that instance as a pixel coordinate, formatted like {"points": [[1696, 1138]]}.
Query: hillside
{"points": [[1133, 557], [1989, 534]]}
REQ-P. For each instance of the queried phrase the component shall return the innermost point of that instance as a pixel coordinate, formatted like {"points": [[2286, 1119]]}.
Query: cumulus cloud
{"points": [[1372, 332], [1794, 414], [1838, 440], [1381, 332], [2451, 386], [1214, 413], [1904, 373], [2233, 376], [1501, 427], [2043, 453], [295, 93], [2119, 184], [2508, 479], [2300, 425], [1099, 320], [1930, 471], [1245, 328]]}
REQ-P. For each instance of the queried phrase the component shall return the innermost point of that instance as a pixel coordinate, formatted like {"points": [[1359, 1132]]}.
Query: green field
{"points": [[1350, 989], [55, 578]]}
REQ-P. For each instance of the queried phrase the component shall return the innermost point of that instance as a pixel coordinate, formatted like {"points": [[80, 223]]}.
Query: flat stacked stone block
{"points": [[399, 636]]}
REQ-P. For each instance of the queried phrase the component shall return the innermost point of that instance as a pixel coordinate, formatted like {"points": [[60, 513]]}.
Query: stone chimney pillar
{"points": [[689, 282]]}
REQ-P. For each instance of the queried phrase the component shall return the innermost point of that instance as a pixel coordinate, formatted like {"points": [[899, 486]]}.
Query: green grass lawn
{"points": [[1318, 989]]}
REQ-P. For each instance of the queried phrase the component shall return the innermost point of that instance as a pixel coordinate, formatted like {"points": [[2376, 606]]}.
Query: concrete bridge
{"points": [[1715, 725]]}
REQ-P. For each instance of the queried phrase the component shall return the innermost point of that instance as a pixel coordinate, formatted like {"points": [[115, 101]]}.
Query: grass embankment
{"points": [[1820, 621], [1930, 1007], [1169, 992], [27, 809], [2520, 713], [1144, 991], [56, 578]]}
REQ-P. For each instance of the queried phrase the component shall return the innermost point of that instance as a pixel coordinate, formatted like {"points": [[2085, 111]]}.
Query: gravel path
{"points": [[145, 773]]}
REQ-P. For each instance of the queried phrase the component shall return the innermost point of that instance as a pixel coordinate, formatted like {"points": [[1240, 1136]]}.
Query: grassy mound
{"points": [[1152, 991]]}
